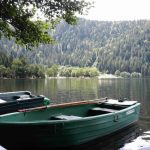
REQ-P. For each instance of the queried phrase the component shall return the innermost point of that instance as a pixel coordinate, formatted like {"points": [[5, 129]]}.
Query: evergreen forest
{"points": [[111, 47]]}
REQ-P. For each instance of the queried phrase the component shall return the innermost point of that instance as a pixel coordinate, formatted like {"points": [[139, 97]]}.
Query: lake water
{"points": [[136, 137]]}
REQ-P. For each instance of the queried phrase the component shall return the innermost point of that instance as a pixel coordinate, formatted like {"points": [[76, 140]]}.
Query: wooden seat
{"points": [[103, 109], [64, 117]]}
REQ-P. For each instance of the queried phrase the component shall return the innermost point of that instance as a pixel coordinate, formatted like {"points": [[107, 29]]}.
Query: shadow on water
{"points": [[111, 142], [114, 141]]}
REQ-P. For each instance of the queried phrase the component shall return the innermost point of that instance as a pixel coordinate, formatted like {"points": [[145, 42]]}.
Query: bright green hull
{"points": [[36, 129]]}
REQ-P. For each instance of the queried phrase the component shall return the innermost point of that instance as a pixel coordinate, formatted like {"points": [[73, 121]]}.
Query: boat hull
{"points": [[47, 135]]}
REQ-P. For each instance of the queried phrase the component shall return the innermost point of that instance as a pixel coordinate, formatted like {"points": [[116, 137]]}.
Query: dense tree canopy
{"points": [[108, 46], [16, 18]]}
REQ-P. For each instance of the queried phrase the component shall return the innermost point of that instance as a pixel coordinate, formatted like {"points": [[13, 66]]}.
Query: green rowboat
{"points": [[66, 124]]}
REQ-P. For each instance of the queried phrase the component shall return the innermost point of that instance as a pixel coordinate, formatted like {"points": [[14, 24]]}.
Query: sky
{"points": [[119, 10]]}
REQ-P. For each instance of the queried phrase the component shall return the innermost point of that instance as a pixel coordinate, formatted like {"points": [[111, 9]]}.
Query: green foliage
{"points": [[90, 72], [19, 68], [117, 73], [125, 74], [5, 59], [2, 70], [16, 19], [50, 72], [5, 72], [35, 71], [135, 75], [53, 71], [78, 72], [8, 73], [65, 71], [108, 46]]}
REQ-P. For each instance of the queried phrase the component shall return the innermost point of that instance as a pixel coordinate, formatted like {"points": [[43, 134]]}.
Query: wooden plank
{"points": [[123, 103], [65, 117], [61, 105]]}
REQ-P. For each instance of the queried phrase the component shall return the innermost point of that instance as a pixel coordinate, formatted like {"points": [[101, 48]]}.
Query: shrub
{"points": [[135, 75], [117, 73], [125, 74]]}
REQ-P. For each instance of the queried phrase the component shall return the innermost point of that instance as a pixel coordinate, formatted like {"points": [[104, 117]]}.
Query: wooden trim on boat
{"points": [[64, 105]]}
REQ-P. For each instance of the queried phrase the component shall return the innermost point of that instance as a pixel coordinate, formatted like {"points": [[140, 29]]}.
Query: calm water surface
{"points": [[136, 137]]}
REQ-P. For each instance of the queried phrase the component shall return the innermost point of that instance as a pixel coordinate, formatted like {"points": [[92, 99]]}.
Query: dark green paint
{"points": [[39, 129], [13, 101]]}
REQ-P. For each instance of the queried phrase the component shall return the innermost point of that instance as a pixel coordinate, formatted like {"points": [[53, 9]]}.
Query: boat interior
{"points": [[65, 112], [12, 96], [90, 110]]}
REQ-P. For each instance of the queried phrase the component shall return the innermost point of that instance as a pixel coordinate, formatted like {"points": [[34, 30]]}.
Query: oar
{"points": [[32, 109], [102, 100], [96, 101]]}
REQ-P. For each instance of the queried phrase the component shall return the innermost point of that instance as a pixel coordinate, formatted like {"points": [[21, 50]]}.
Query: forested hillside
{"points": [[109, 46]]}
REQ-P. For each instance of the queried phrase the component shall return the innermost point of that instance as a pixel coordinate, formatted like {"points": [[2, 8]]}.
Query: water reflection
{"points": [[62, 90], [140, 143], [66, 90]]}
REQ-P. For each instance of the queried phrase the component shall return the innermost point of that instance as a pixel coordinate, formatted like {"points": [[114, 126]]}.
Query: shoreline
{"points": [[101, 76], [108, 76]]}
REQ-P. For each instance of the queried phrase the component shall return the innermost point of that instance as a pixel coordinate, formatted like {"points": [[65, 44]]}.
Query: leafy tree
{"points": [[86, 72], [5, 59], [41, 72], [125, 74], [50, 72], [8, 73], [53, 71], [35, 71], [93, 72], [31, 71], [19, 19], [65, 71], [135, 75], [74, 73], [79, 72], [117, 73], [2, 70], [19, 67]]}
